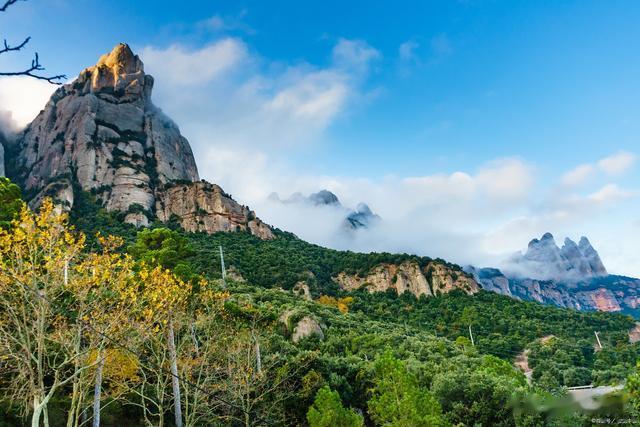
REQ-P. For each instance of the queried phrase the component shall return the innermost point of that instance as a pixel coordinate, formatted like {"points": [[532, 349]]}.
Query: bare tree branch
{"points": [[35, 63], [7, 3], [8, 48], [36, 66]]}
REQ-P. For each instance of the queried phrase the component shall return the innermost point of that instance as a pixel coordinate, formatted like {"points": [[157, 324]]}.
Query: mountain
{"points": [[102, 134], [362, 217], [571, 277], [324, 198], [321, 198], [546, 261], [358, 218]]}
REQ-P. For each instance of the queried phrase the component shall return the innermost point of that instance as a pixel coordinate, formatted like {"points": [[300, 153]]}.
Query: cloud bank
{"points": [[247, 117]]}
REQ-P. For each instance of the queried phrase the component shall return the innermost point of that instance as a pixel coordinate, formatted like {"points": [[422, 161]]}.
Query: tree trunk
{"points": [[37, 412], [174, 374], [97, 391], [258, 356]]}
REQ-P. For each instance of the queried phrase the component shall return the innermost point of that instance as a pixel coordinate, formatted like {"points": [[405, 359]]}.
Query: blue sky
{"points": [[386, 102]]}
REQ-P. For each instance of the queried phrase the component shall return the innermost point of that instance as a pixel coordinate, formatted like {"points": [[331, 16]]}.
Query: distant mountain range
{"points": [[572, 276], [359, 218]]}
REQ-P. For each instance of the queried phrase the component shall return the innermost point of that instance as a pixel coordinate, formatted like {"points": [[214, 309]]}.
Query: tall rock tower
{"points": [[103, 132]]}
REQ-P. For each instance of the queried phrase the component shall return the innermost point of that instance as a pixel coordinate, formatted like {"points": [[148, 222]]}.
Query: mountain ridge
{"points": [[102, 134]]}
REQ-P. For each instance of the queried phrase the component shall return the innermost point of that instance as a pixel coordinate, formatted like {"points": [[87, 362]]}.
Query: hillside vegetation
{"points": [[145, 316]]}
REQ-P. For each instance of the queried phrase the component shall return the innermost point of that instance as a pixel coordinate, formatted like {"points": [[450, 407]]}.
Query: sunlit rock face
{"points": [[433, 279], [103, 133], [206, 207]]}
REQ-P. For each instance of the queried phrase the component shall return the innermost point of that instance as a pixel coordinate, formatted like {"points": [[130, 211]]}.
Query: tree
{"points": [[397, 399], [633, 389], [166, 248], [327, 411], [36, 67], [36, 331], [11, 202], [104, 312]]}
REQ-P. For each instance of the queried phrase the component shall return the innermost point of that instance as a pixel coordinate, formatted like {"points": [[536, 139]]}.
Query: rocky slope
{"points": [[572, 277], [435, 278], [202, 206], [102, 134]]}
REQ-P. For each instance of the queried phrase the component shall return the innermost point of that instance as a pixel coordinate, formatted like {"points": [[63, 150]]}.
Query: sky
{"points": [[470, 127]]}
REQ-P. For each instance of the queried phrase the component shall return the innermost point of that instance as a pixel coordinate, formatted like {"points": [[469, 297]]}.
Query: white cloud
{"points": [[180, 66], [22, 98], [407, 50], [354, 55], [578, 176], [618, 163], [227, 23], [224, 95], [613, 165], [609, 193]]}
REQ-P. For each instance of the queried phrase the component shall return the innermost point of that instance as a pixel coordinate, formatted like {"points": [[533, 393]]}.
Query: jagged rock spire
{"points": [[101, 133], [545, 260]]}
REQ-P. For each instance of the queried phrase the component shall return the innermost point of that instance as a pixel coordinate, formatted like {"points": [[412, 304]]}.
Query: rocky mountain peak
{"points": [[324, 198], [118, 75], [102, 134], [545, 260]]}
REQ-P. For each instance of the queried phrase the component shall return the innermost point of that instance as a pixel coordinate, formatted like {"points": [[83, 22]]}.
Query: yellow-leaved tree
{"points": [[38, 344]]}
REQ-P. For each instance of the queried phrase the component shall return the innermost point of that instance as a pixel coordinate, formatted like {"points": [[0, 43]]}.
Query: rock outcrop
{"points": [[206, 207], [435, 278], [544, 260], [102, 134], [305, 328], [609, 293], [571, 277], [362, 217]]}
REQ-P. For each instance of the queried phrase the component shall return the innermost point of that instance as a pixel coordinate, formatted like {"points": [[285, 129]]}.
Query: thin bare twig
{"points": [[7, 3], [36, 66], [8, 48], [35, 63]]}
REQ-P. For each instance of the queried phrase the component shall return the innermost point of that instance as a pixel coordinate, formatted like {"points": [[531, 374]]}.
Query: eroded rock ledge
{"points": [[202, 206], [435, 278]]}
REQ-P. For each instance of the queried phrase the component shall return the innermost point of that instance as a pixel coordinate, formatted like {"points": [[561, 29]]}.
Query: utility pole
{"points": [[224, 270], [598, 339], [471, 335]]}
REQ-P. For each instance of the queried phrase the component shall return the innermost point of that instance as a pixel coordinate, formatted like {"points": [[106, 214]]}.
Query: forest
{"points": [[106, 324]]}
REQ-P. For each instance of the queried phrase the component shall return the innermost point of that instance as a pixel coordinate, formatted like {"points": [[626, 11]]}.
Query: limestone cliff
{"points": [[604, 293], [571, 277], [205, 207], [102, 134], [433, 279]]}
